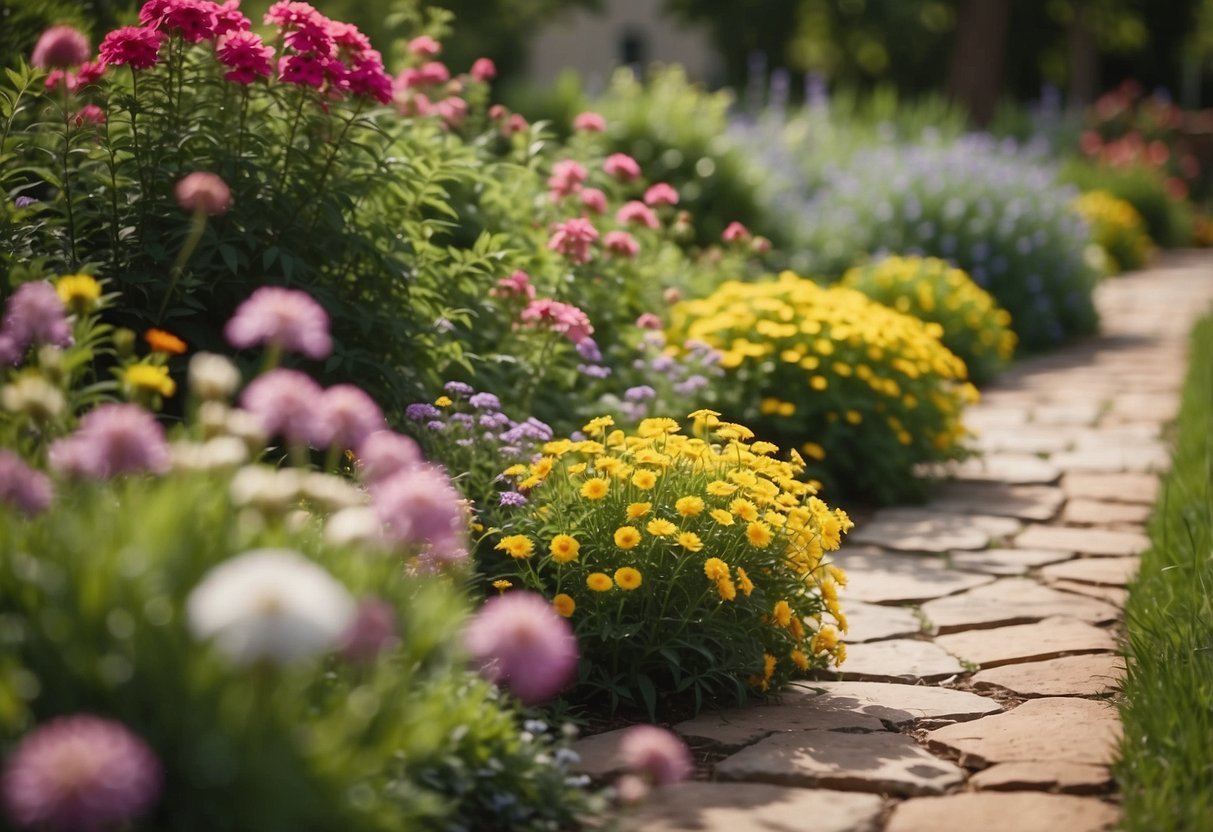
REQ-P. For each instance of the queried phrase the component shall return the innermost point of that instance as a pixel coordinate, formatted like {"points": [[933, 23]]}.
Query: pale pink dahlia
{"points": [[621, 166], [113, 439], [521, 642], [564, 318], [132, 45], [574, 238], [29, 491], [636, 212], [661, 194], [60, 47], [285, 318]]}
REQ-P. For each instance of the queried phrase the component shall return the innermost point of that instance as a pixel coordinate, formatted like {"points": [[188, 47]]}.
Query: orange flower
{"points": [[161, 341]]}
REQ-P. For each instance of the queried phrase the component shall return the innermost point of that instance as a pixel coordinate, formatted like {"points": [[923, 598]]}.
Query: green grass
{"points": [[1166, 764]]}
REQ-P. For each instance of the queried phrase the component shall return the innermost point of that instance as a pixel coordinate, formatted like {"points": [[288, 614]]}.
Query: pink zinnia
{"points": [[621, 166], [286, 14], [567, 176], [113, 439], [196, 20], [735, 232], [589, 122], [80, 772], [246, 57], [621, 243], [204, 192], [286, 318], [516, 285], [594, 199], [284, 402], [347, 416], [573, 238], [133, 45], [661, 194], [384, 453], [29, 491], [637, 212], [483, 69], [424, 46], [36, 315], [60, 47], [560, 317], [521, 642], [656, 753], [419, 507]]}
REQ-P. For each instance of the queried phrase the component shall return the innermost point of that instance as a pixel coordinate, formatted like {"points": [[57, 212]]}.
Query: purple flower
{"points": [[520, 641], [663, 364], [486, 401], [285, 401], [593, 370], [436, 425], [113, 439], [24, 201], [347, 417], [531, 429], [657, 753], [35, 315], [640, 393], [419, 506], [494, 421], [373, 631], [512, 499], [463, 419], [80, 772], [288, 319], [421, 410], [23, 487], [458, 388], [588, 349], [690, 385], [384, 454]]}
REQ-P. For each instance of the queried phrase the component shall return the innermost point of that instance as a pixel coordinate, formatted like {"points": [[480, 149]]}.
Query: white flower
{"points": [[332, 493], [214, 454], [33, 395], [272, 490], [270, 604], [213, 377], [357, 525]]}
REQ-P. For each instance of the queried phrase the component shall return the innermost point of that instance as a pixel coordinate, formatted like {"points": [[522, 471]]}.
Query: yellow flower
{"points": [[800, 659], [716, 570], [743, 581], [650, 428], [577, 469], [708, 416], [627, 537], [819, 383], [690, 541], [644, 479], [764, 448], [516, 546], [782, 613], [660, 527], [564, 605], [597, 425], [147, 377], [162, 341], [638, 510], [502, 585], [720, 488], [542, 467], [564, 548], [689, 506], [443, 401], [628, 578], [825, 640], [515, 471], [595, 488], [599, 581], [727, 589], [769, 663], [759, 534], [79, 292], [721, 516], [840, 654], [744, 509]]}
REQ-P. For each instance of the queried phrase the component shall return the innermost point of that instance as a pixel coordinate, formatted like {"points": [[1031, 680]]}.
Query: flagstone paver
{"points": [[755, 807], [1014, 469], [903, 705], [903, 578], [1083, 540], [1117, 488], [1001, 812], [1086, 675], [899, 659], [924, 530], [1026, 502], [1026, 642], [1044, 775], [738, 727], [1101, 513], [1104, 571], [1011, 601], [1006, 561], [872, 622], [1112, 594]]}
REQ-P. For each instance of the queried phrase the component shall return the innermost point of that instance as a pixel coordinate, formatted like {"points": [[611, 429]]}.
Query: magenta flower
{"points": [[483, 69], [133, 45], [517, 285], [657, 753], [284, 402], [434, 72], [594, 199], [22, 487], [204, 192], [621, 243], [418, 506], [559, 317], [312, 37], [567, 176], [367, 77], [35, 315], [285, 318], [573, 238], [113, 439], [196, 20], [286, 14], [589, 122], [80, 772], [424, 46], [246, 57], [636, 212], [520, 641], [374, 630], [661, 194], [303, 70], [89, 114], [228, 19], [384, 454], [621, 166], [735, 232], [349, 38], [347, 416], [60, 47]]}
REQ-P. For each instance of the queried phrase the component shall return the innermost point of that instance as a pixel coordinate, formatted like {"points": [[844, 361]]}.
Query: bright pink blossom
{"points": [[649, 321], [196, 20], [286, 318], [246, 56], [347, 417], [621, 166], [349, 39], [287, 14], [516, 123], [567, 176], [483, 69], [303, 70], [621, 243], [229, 19], [636, 212], [735, 232], [594, 200], [205, 192], [367, 77], [452, 111], [589, 122], [420, 507], [516, 285], [424, 46], [312, 38], [60, 47], [284, 401], [89, 114], [88, 72], [384, 454], [520, 641], [656, 753], [112, 439], [564, 318], [661, 194], [573, 238], [132, 45]]}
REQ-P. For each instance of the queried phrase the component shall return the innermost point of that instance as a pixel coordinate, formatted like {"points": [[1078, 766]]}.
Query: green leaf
{"points": [[648, 692]]}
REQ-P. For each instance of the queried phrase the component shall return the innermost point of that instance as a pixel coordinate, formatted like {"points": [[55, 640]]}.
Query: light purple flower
{"points": [[520, 641], [587, 348], [384, 454], [80, 772], [113, 439], [512, 499], [640, 393], [657, 753], [24, 201], [287, 318], [23, 487], [458, 388], [495, 420], [594, 370], [436, 424], [487, 401], [373, 631], [420, 507], [35, 315], [347, 417], [285, 402], [421, 410]]}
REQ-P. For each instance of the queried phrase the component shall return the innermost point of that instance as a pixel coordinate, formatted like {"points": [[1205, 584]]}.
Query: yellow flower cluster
{"points": [[971, 323], [1118, 228]]}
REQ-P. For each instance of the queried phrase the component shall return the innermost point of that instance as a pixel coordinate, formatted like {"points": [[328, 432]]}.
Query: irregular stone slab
{"points": [[1044, 775], [1104, 571], [1022, 439], [884, 763], [902, 579], [1081, 511], [1006, 561], [1090, 675], [1025, 642], [1085, 541], [1081, 413], [1116, 488], [1000, 812], [899, 659], [903, 705], [798, 710], [1016, 469], [1026, 502], [599, 753], [1057, 729], [1152, 407], [924, 530], [871, 622], [729, 807], [1115, 595], [1011, 601], [1115, 458]]}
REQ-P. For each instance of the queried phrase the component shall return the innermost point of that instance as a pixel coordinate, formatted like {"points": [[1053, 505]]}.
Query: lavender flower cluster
{"points": [[674, 381]]}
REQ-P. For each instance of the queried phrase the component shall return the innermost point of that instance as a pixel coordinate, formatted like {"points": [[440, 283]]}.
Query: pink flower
{"points": [[516, 285], [384, 453], [228, 18], [735, 232], [621, 243], [286, 14], [89, 114], [286, 318], [418, 506], [521, 642], [567, 176], [589, 122], [434, 72], [373, 631], [347, 416], [559, 317], [349, 38], [88, 72], [368, 77], [246, 56], [661, 194], [303, 70], [483, 69], [637, 212], [649, 321], [284, 402], [573, 239], [113, 439], [203, 192], [35, 315], [621, 166], [22, 487], [594, 200], [80, 772], [516, 123], [313, 38], [452, 111], [424, 46], [132, 45], [196, 20], [657, 753], [60, 47], [760, 245]]}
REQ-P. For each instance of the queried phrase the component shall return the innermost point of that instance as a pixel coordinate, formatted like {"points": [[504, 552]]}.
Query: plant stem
{"points": [[290, 141], [67, 175], [135, 133], [197, 227]]}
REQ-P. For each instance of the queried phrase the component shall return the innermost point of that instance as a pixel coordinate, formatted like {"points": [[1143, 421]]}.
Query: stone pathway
{"points": [[979, 689]]}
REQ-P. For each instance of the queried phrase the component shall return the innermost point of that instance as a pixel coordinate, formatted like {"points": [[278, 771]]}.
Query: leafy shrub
{"points": [[1168, 217], [866, 392], [974, 327], [690, 566], [1119, 230], [990, 210]]}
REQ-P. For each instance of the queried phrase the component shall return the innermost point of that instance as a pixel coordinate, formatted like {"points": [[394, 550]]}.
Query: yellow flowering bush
{"points": [[974, 326], [1119, 230], [863, 391], [693, 566]]}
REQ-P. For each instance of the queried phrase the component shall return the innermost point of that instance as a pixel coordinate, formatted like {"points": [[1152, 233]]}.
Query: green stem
{"points": [[113, 169], [135, 134], [290, 141], [197, 228], [67, 175]]}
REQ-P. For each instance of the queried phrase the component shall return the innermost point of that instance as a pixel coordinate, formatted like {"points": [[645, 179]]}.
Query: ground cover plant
{"points": [[1167, 706]]}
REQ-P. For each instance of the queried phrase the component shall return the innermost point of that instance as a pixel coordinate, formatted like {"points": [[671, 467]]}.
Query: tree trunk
{"points": [[975, 81], [1083, 58]]}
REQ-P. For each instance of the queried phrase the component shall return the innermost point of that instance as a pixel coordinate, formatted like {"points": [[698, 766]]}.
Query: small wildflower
{"points": [[744, 582], [78, 292], [166, 342], [599, 581], [637, 510], [690, 541], [203, 193], [628, 578], [689, 506], [715, 569], [661, 528], [564, 548], [516, 546], [564, 605], [627, 537], [595, 488], [759, 534], [149, 377], [501, 585], [726, 589], [644, 479], [721, 516]]}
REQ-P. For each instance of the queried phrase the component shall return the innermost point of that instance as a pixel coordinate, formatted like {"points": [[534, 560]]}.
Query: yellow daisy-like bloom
{"points": [[515, 470], [564, 605], [597, 425], [637, 510], [825, 640], [721, 516], [502, 585], [660, 528], [814, 451], [782, 613], [716, 570], [148, 377], [690, 541], [578, 469], [744, 509], [726, 589], [564, 548], [595, 488], [628, 578], [837, 574], [79, 292], [160, 340], [744, 582], [443, 401], [720, 488], [650, 428], [759, 535], [769, 663], [644, 479], [800, 659], [599, 581], [689, 506], [542, 467], [840, 654], [516, 546], [627, 537]]}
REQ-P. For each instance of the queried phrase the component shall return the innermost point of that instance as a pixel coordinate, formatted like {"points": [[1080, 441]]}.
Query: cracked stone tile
{"points": [[1115, 458], [1114, 595], [1083, 540], [1045, 639], [903, 705], [1087, 675], [884, 763], [925, 530], [1006, 561], [1084, 512], [1020, 439], [1012, 601], [737, 727], [1026, 502], [1004, 812], [902, 578], [872, 622], [1102, 571], [895, 660], [754, 807], [1015, 469], [1117, 488], [1044, 775]]}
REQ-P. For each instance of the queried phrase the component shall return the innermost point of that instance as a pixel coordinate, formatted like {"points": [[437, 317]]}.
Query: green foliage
{"points": [[1169, 220], [22, 21]]}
